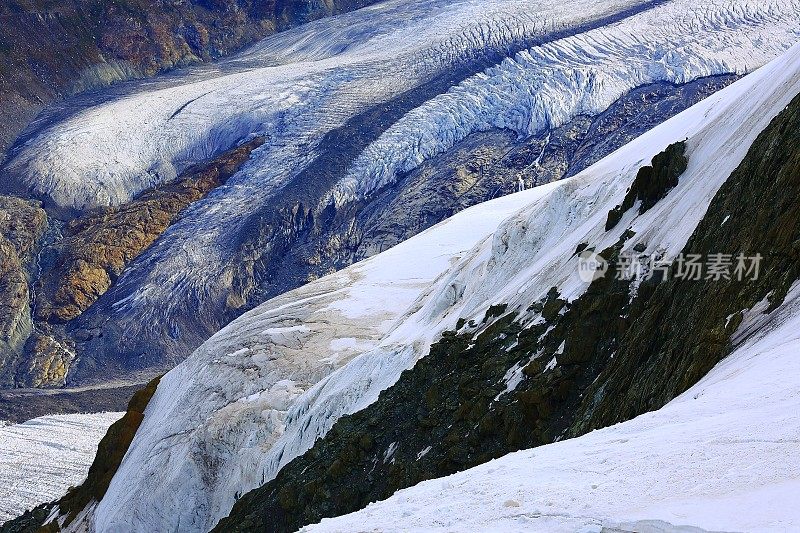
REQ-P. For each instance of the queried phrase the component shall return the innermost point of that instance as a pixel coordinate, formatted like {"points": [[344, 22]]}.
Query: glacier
{"points": [[442, 69], [45, 456], [259, 392]]}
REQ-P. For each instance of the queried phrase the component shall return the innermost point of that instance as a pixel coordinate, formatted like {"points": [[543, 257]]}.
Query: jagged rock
{"points": [[98, 246], [652, 183], [22, 224], [49, 360], [15, 322]]}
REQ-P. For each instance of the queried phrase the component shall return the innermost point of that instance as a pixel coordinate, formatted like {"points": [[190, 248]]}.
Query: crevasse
{"points": [[546, 86]]}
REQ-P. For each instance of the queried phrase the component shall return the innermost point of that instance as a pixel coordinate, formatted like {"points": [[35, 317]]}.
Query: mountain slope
{"points": [[723, 447], [552, 358], [248, 373]]}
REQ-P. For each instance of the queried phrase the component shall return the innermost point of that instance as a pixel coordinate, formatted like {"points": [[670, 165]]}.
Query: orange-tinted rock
{"points": [[22, 224], [97, 247]]}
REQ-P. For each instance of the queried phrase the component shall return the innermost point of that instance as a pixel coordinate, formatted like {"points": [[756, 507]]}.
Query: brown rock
{"points": [[49, 361], [22, 224], [97, 247]]}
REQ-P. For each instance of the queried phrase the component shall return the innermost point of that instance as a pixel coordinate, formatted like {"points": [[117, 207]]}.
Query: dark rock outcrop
{"points": [[622, 355], [110, 452], [652, 182]]}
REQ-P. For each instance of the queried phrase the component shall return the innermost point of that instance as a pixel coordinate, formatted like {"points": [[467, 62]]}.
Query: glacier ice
{"points": [[259, 392], [297, 86], [43, 457]]}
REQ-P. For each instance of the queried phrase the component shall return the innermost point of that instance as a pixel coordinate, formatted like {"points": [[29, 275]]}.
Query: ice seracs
{"points": [[230, 417], [545, 86]]}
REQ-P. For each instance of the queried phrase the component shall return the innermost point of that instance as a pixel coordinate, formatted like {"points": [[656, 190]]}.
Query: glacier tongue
{"points": [[258, 393], [45, 456], [293, 87]]}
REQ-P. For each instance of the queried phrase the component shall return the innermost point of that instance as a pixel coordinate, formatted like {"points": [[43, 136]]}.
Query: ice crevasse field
{"points": [[284, 385], [564, 59]]}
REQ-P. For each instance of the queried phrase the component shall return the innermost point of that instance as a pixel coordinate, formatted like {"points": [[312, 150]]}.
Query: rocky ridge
{"points": [[22, 225]]}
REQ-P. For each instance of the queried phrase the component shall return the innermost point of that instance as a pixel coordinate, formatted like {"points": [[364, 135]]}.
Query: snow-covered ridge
{"points": [[546, 86], [726, 445], [258, 393], [43, 457], [241, 384]]}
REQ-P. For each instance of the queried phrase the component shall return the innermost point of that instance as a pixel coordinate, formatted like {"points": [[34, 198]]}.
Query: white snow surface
{"points": [[41, 458], [721, 457], [222, 422], [258, 393]]}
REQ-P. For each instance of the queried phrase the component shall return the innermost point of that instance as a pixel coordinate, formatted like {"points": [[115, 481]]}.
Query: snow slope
{"points": [[258, 393], [214, 422], [722, 457], [43, 457]]}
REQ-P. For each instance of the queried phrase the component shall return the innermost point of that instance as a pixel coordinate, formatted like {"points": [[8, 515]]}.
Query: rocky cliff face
{"points": [[615, 352], [49, 50], [22, 224]]}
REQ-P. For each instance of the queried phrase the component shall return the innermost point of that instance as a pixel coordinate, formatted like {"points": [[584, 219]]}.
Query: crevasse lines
{"points": [[341, 86], [118, 146], [549, 84]]}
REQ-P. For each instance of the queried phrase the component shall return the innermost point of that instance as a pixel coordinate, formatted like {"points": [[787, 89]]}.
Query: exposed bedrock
{"points": [[617, 351], [83, 263], [22, 225], [97, 247]]}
